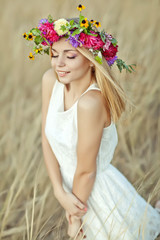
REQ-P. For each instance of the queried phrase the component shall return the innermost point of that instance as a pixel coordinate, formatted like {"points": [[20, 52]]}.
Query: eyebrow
{"points": [[66, 50]]}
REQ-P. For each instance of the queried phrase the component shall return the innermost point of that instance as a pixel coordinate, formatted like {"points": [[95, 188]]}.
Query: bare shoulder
{"points": [[91, 101], [48, 81], [92, 106]]}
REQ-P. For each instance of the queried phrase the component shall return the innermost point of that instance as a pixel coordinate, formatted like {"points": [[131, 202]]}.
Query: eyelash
{"points": [[67, 57]]}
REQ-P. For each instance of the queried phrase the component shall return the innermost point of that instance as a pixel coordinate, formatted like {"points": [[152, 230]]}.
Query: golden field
{"points": [[28, 209]]}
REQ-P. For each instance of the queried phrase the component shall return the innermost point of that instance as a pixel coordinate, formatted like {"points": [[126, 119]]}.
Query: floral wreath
{"points": [[84, 33]]}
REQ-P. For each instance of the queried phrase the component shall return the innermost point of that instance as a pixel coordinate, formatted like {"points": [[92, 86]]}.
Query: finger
{"points": [[79, 204], [66, 215], [77, 217], [83, 210], [79, 213], [70, 219]]}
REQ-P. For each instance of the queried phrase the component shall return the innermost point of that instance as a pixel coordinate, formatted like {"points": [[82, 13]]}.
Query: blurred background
{"points": [[28, 209]]}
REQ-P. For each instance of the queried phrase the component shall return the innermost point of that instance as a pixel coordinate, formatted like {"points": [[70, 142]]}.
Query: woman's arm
{"points": [[68, 201], [51, 162], [91, 121]]}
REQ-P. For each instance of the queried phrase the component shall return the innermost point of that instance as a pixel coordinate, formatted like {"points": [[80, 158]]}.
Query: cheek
{"points": [[53, 63], [79, 65]]}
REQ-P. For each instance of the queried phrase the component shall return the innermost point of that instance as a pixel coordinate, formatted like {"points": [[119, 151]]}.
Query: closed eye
{"points": [[67, 57], [71, 57]]}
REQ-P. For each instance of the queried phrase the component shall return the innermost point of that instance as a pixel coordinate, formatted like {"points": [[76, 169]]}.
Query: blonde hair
{"points": [[111, 90], [115, 97]]}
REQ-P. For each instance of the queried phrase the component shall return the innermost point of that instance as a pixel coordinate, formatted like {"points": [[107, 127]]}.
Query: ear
{"points": [[91, 64]]}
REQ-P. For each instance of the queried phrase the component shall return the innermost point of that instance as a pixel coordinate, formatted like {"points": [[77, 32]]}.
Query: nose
{"points": [[60, 61]]}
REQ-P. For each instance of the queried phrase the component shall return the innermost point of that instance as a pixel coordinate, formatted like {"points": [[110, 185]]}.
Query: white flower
{"points": [[58, 24]]}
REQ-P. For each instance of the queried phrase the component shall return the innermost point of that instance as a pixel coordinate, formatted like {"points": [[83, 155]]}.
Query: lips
{"points": [[62, 73]]}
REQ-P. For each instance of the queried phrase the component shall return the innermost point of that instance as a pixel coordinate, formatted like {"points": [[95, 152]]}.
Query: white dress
{"points": [[115, 210]]}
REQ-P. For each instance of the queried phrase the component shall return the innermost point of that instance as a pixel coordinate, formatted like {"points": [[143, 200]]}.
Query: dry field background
{"points": [[27, 203]]}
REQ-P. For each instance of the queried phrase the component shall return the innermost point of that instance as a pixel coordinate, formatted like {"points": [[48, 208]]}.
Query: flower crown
{"points": [[81, 34]]}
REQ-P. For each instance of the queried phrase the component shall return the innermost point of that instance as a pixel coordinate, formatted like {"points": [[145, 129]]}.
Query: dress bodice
{"points": [[61, 132]]}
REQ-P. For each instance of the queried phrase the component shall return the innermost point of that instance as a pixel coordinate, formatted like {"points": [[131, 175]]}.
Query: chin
{"points": [[64, 80]]}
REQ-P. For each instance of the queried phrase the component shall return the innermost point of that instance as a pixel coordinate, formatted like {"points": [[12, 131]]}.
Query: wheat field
{"points": [[28, 209]]}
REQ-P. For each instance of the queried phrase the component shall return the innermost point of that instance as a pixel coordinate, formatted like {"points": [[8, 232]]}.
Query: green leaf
{"points": [[92, 34], [66, 36], [132, 67], [114, 41], [75, 26], [36, 32], [46, 50], [71, 22], [85, 31], [77, 31], [98, 59], [103, 36], [38, 40], [63, 28], [122, 65], [35, 47], [81, 18], [50, 19]]}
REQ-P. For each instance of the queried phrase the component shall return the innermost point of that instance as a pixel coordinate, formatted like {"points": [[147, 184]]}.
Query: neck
{"points": [[77, 87]]}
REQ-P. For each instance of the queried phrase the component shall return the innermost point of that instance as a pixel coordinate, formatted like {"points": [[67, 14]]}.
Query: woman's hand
{"points": [[74, 228], [72, 204]]}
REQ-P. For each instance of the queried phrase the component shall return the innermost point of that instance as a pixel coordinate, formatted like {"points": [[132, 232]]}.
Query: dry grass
{"points": [[27, 203]]}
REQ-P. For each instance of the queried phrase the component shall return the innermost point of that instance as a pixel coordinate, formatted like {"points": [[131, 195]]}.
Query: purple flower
{"points": [[73, 40], [112, 60], [42, 21]]}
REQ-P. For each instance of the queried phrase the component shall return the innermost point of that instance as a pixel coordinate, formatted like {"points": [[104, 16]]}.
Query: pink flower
{"points": [[107, 44], [108, 41], [90, 41], [48, 32]]}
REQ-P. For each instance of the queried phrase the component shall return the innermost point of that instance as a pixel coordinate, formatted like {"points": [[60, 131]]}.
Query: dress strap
{"points": [[93, 86]]}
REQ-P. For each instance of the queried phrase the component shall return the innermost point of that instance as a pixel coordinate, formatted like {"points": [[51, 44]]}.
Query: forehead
{"points": [[63, 45]]}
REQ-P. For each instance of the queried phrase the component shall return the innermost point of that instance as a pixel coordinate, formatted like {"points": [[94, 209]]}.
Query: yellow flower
{"points": [[80, 7], [84, 23], [92, 21], [25, 35], [31, 57], [97, 24], [30, 36], [38, 50]]}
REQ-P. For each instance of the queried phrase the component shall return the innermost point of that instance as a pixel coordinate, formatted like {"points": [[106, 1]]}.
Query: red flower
{"points": [[110, 52]]}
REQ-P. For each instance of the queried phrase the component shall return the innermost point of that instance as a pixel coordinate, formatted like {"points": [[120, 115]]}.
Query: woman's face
{"points": [[68, 63]]}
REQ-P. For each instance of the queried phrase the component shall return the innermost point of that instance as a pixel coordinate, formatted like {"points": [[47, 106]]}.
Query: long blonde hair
{"points": [[113, 93], [111, 90]]}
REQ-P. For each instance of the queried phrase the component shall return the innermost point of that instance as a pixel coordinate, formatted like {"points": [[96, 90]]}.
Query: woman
{"points": [[71, 96], [81, 102]]}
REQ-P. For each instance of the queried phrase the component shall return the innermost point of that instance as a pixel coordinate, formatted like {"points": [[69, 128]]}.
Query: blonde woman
{"points": [[81, 103], [79, 138]]}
